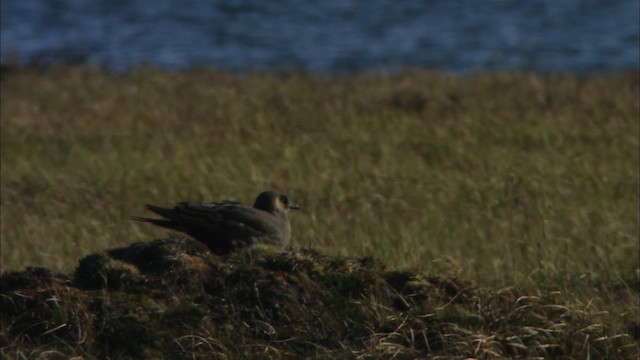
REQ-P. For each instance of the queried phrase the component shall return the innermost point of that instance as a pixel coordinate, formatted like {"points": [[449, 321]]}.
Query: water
{"points": [[333, 36]]}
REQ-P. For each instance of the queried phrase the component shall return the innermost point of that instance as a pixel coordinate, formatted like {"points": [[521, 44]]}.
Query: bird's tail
{"points": [[160, 222]]}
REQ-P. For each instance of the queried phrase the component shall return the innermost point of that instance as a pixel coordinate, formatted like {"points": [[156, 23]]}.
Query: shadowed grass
{"points": [[172, 299], [505, 178]]}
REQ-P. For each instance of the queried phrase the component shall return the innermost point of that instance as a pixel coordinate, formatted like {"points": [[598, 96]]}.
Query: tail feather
{"points": [[160, 222], [166, 213]]}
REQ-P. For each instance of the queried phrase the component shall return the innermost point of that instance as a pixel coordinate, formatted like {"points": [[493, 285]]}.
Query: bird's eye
{"points": [[284, 200]]}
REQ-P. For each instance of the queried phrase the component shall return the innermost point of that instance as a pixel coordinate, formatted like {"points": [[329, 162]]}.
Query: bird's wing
{"points": [[248, 217], [223, 219]]}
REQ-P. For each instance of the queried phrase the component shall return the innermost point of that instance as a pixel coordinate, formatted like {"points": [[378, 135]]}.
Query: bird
{"points": [[226, 225]]}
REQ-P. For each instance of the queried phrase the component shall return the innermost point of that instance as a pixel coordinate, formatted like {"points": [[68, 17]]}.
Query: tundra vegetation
{"points": [[489, 215]]}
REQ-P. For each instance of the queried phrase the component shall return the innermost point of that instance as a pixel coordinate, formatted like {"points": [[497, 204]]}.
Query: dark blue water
{"points": [[333, 36]]}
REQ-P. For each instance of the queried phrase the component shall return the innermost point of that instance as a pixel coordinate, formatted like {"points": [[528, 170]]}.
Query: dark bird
{"points": [[225, 226]]}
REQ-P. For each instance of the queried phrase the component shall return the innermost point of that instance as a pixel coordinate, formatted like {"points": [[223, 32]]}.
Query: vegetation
{"points": [[173, 299], [526, 183]]}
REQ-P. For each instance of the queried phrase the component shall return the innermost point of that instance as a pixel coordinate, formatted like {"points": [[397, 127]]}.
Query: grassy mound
{"points": [[172, 299]]}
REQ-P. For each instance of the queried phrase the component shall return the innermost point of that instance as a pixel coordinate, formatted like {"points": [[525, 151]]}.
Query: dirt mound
{"points": [[173, 299]]}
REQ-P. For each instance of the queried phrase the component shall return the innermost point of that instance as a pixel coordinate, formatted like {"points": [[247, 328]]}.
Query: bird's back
{"points": [[224, 225]]}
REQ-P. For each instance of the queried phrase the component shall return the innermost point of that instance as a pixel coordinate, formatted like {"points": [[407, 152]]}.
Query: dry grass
{"points": [[172, 299], [506, 179]]}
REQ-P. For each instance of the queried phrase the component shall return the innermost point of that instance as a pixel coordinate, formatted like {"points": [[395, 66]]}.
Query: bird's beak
{"points": [[294, 206]]}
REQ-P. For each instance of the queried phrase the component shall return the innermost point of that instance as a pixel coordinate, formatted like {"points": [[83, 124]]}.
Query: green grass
{"points": [[507, 179]]}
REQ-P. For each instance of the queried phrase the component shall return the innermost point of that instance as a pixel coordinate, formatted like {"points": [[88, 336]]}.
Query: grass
{"points": [[506, 180], [172, 299]]}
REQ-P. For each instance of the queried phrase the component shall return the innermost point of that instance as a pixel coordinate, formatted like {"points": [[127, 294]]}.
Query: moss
{"points": [[163, 255], [100, 271], [31, 277], [128, 335], [166, 298]]}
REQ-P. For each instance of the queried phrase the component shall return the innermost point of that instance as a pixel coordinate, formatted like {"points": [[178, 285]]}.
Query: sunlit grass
{"points": [[509, 179]]}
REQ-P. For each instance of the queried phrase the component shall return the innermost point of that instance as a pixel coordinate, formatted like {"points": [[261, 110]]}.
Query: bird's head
{"points": [[272, 201]]}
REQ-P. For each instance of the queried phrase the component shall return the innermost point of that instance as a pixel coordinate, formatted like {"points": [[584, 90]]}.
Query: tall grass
{"points": [[508, 179]]}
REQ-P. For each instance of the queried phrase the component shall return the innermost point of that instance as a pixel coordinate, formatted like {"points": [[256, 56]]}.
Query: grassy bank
{"points": [[172, 299], [506, 179]]}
